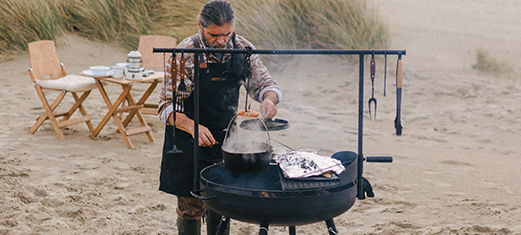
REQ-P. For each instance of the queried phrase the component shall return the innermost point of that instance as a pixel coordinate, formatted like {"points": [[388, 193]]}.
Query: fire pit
{"points": [[267, 197]]}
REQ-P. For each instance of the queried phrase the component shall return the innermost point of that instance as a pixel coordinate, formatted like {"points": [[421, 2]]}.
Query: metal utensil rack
{"points": [[361, 61]]}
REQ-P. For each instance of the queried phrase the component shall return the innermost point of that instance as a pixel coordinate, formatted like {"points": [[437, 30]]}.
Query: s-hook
{"points": [[372, 100]]}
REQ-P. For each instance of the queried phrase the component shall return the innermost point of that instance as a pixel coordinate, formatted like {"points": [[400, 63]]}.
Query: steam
{"points": [[251, 138]]}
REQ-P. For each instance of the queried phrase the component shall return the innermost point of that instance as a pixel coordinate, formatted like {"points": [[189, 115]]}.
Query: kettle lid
{"points": [[134, 54]]}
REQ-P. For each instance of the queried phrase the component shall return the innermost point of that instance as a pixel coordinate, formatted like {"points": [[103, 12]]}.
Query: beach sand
{"points": [[455, 170]]}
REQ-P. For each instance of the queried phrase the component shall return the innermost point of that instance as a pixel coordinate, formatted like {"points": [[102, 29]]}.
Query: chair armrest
{"points": [[31, 74]]}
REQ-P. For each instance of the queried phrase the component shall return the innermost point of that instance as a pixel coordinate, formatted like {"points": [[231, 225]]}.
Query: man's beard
{"points": [[213, 45], [218, 46]]}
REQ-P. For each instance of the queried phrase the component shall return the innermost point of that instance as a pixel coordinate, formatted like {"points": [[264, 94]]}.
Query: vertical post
{"points": [[196, 120], [360, 189]]}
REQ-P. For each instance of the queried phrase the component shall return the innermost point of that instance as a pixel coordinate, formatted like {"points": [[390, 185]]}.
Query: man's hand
{"points": [[186, 124], [267, 107], [205, 137]]}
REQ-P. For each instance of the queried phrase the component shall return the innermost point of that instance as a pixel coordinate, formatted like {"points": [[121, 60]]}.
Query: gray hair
{"points": [[217, 12]]}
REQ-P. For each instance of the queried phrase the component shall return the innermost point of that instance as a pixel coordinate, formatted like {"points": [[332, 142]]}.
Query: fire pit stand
{"points": [[359, 155]]}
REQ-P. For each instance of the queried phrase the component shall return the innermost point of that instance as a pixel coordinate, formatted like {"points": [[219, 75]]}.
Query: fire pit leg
{"points": [[292, 230], [263, 229], [223, 225], [331, 227]]}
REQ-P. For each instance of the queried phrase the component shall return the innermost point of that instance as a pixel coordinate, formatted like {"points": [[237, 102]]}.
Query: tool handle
{"points": [[182, 69], [399, 75], [379, 159], [173, 74], [373, 69]]}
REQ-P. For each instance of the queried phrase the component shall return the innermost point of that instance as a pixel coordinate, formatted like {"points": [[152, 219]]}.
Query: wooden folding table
{"points": [[133, 108]]}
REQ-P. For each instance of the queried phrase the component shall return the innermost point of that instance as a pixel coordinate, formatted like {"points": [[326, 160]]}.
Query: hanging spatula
{"points": [[174, 151]]}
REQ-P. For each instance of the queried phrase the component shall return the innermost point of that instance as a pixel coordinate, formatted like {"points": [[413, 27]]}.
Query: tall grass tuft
{"points": [[23, 21], [178, 18], [297, 24], [486, 64], [109, 20], [310, 24]]}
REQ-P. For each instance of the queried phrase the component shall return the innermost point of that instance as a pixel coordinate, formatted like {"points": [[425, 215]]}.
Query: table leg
{"points": [[139, 115], [141, 101], [112, 111], [132, 108]]}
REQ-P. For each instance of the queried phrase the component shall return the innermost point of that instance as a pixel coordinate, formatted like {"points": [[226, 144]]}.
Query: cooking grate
{"points": [[308, 183]]}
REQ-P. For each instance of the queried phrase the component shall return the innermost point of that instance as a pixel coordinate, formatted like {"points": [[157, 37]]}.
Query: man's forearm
{"points": [[182, 122], [272, 96]]}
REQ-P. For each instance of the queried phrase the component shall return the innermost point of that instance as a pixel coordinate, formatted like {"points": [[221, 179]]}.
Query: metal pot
{"points": [[246, 157], [257, 158], [267, 197]]}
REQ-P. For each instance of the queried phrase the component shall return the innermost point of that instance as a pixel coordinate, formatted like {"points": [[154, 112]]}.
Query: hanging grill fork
{"points": [[372, 99]]}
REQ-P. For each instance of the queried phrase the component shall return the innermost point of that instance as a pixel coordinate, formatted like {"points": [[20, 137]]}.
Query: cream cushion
{"points": [[73, 83]]}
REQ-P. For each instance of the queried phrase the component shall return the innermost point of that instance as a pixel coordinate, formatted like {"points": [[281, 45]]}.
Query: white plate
{"points": [[90, 74]]}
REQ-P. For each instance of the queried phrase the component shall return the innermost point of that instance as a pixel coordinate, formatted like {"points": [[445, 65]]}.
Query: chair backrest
{"points": [[44, 60], [146, 45]]}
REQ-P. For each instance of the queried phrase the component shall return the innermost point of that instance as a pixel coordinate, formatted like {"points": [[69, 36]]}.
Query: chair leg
{"points": [[44, 116], [48, 114], [65, 120], [79, 105]]}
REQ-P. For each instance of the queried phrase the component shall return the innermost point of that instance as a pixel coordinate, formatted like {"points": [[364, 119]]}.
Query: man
{"points": [[221, 76]]}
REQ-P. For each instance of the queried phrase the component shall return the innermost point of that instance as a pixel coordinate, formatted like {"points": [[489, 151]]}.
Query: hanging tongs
{"points": [[173, 73], [399, 74], [247, 112]]}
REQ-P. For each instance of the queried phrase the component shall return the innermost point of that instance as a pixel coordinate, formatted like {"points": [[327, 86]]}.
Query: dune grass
{"points": [[275, 24], [24, 21], [486, 64], [297, 24]]}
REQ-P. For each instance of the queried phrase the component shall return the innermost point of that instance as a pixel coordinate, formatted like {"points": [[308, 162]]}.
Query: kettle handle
{"points": [[235, 117]]}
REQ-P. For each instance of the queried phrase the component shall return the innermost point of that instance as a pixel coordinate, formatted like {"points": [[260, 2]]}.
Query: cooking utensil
{"points": [[182, 92], [174, 152], [268, 198], [278, 142], [399, 74], [372, 99], [244, 157], [385, 72], [255, 157], [258, 125], [247, 112]]}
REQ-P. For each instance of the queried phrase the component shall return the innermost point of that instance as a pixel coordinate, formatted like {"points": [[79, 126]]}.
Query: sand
{"points": [[455, 170]]}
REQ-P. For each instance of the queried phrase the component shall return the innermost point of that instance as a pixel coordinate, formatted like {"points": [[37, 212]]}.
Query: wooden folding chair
{"points": [[47, 73], [153, 61]]}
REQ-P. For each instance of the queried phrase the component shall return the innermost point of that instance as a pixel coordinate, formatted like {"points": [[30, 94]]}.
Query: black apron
{"points": [[219, 86]]}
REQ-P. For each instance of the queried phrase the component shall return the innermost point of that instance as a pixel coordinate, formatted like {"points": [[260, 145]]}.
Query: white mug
{"points": [[118, 72], [125, 67]]}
